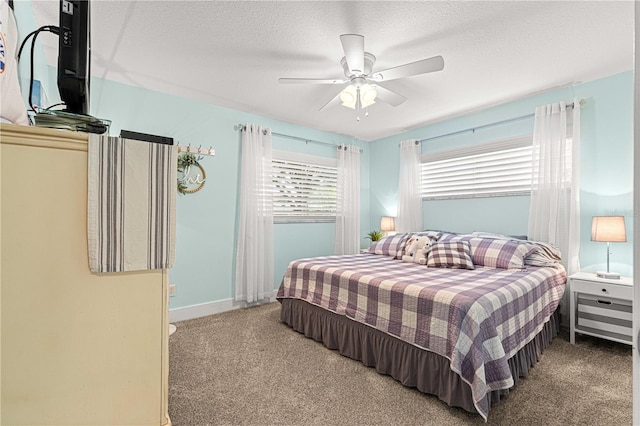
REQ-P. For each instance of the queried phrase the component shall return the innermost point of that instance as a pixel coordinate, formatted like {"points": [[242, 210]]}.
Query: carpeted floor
{"points": [[246, 367]]}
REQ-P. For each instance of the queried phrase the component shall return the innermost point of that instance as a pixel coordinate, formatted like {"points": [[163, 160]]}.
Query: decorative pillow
{"points": [[434, 235], [543, 254], [450, 236], [497, 253], [480, 234], [391, 245], [442, 234], [500, 253], [450, 254]]}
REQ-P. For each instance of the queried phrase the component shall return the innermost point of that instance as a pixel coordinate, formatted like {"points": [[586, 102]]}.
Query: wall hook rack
{"points": [[199, 150]]}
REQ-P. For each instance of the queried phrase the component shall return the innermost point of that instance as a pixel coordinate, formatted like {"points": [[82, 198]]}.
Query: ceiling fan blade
{"points": [[334, 101], [311, 81], [419, 67], [353, 46], [388, 96]]}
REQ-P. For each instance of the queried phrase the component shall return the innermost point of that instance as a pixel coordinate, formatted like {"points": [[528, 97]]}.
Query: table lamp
{"points": [[387, 224], [609, 229]]}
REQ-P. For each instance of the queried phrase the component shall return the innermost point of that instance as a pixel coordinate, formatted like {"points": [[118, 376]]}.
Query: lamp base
{"points": [[608, 275]]}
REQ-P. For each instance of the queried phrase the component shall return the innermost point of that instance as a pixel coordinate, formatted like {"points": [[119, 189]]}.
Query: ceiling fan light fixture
{"points": [[358, 70], [358, 97], [349, 96], [368, 95]]}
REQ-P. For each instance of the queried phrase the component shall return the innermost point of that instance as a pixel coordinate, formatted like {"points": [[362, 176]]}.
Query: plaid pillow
{"points": [[503, 254], [480, 234], [450, 254], [434, 235], [543, 254], [498, 253], [391, 245]]}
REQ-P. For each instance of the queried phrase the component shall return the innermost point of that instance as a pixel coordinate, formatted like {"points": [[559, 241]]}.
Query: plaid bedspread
{"points": [[478, 319]]}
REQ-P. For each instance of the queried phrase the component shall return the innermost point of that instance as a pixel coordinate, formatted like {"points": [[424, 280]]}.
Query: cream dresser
{"points": [[76, 347]]}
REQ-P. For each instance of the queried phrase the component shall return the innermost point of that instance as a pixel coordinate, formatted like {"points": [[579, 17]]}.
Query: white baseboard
{"points": [[210, 308]]}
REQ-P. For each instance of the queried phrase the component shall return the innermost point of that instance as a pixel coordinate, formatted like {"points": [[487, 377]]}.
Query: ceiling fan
{"points": [[364, 84]]}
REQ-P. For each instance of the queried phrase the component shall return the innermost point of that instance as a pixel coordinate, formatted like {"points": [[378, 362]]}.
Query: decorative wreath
{"points": [[186, 161]]}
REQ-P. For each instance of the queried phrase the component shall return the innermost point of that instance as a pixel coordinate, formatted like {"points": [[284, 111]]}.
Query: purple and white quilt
{"points": [[478, 319]]}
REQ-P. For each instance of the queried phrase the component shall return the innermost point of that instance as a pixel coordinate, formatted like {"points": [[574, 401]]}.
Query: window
{"points": [[305, 188], [492, 169], [565, 157]]}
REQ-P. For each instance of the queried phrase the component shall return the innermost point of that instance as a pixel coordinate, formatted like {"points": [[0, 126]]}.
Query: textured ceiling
{"points": [[232, 53]]}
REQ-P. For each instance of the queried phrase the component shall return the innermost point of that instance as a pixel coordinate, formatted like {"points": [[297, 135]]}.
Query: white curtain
{"points": [[554, 212], [348, 214], [409, 216], [254, 250]]}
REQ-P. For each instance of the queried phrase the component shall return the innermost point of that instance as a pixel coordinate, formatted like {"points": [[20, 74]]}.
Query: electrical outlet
{"points": [[172, 290]]}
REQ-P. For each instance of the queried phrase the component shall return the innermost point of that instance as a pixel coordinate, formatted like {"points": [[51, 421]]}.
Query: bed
{"points": [[463, 333]]}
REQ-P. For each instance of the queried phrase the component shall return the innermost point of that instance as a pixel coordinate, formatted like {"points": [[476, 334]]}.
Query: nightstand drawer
{"points": [[624, 292], [604, 316]]}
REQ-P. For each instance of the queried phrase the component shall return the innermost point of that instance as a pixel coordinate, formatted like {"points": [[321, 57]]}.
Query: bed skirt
{"points": [[414, 367]]}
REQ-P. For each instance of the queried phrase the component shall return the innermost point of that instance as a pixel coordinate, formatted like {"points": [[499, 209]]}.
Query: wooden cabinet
{"points": [[76, 347]]}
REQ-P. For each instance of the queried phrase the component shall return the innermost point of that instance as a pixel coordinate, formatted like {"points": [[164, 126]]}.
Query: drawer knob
{"points": [[604, 302], [604, 290]]}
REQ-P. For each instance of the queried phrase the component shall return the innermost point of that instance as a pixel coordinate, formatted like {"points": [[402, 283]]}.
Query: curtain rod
{"points": [[242, 126], [484, 126]]}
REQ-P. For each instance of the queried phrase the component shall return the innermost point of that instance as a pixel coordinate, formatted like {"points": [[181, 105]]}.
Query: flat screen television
{"points": [[74, 56]]}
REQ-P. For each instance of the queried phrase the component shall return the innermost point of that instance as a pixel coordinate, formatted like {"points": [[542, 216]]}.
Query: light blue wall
{"points": [[606, 167], [26, 23], [206, 220]]}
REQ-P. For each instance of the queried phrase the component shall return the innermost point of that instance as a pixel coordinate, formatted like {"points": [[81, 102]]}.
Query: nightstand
{"points": [[601, 307]]}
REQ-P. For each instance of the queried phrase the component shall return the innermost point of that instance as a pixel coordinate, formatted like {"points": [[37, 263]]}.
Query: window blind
{"points": [[305, 188], [493, 169]]}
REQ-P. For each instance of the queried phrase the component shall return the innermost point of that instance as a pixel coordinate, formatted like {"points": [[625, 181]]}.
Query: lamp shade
{"points": [[349, 96], [367, 95], [388, 223], [608, 229], [364, 94]]}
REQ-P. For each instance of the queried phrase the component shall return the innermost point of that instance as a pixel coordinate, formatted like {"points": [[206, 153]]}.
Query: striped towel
{"points": [[131, 217]]}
